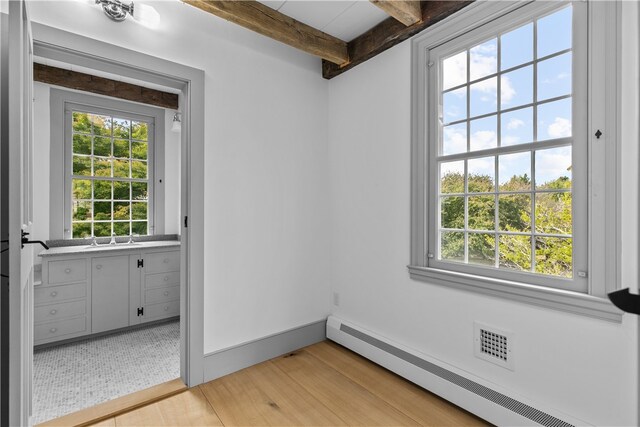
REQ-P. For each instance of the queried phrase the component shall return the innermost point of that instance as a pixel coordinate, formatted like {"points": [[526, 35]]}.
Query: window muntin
{"points": [[595, 161], [505, 150], [109, 175]]}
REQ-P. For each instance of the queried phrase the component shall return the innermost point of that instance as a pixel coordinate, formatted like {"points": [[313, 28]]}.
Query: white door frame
{"points": [[56, 44], [19, 209]]}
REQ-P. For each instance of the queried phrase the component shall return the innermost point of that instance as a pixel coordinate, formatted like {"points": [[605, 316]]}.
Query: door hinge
{"points": [[186, 221], [140, 311], [140, 263]]}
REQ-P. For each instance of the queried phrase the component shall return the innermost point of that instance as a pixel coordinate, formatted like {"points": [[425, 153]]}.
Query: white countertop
{"points": [[86, 249]]}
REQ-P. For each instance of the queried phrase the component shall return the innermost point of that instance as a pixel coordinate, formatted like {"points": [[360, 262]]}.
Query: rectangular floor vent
{"points": [[493, 345], [509, 403]]}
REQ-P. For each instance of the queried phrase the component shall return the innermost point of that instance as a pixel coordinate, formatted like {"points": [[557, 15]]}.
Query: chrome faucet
{"points": [[93, 241], [131, 241], [113, 239]]}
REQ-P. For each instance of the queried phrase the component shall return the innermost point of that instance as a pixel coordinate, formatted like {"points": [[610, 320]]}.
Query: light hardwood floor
{"points": [[321, 385]]}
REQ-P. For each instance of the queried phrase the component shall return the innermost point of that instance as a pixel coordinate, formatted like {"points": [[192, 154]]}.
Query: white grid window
{"points": [[505, 151], [110, 172], [515, 155]]}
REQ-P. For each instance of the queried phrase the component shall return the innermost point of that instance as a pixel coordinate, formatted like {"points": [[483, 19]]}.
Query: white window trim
{"points": [[62, 102], [603, 166]]}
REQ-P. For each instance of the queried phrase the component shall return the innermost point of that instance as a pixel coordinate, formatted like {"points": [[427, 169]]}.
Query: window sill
{"points": [[567, 301]]}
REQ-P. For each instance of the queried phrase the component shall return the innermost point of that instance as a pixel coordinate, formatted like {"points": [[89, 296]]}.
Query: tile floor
{"points": [[70, 377]]}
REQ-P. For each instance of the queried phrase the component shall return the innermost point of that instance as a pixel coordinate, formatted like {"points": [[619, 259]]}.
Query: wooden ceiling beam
{"points": [[389, 33], [262, 19], [103, 86], [408, 12]]}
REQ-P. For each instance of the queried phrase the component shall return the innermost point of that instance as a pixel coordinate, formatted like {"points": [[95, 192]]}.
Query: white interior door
{"points": [[21, 259]]}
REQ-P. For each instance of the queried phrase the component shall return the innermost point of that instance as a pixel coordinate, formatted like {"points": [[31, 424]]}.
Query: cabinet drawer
{"points": [[161, 295], [161, 280], [50, 312], [47, 331], [66, 271], [51, 294], [162, 310], [160, 262]]}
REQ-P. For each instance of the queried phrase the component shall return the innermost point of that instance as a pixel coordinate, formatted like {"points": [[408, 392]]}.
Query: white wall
{"points": [[584, 367], [279, 199], [266, 201], [42, 168]]}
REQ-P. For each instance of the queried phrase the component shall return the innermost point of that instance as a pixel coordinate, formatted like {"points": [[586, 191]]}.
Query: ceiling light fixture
{"points": [[116, 9]]}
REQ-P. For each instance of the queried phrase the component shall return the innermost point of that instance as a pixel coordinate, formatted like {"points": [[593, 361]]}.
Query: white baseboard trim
{"points": [[487, 400], [232, 359]]}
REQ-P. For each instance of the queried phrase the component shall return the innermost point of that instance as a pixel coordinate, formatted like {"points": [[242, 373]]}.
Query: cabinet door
{"points": [[109, 293], [135, 298]]}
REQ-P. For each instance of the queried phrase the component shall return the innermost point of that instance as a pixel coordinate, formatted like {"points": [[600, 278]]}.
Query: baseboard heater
{"points": [[482, 398]]}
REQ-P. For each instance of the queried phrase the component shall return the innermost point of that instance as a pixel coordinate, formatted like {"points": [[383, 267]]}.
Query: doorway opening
{"points": [[159, 266], [107, 290]]}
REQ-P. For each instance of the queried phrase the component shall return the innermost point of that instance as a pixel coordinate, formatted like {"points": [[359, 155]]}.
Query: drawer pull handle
{"points": [[166, 260], [166, 308], [67, 270], [166, 293], [54, 293], [99, 267], [166, 278], [53, 330], [54, 311]]}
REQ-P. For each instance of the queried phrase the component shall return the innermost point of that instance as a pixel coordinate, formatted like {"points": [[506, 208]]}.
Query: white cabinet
{"points": [[89, 293], [160, 285], [68, 270], [110, 293], [62, 307]]}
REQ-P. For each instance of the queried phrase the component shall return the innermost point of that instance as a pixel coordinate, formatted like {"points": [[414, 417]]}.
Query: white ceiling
{"points": [[345, 20]]}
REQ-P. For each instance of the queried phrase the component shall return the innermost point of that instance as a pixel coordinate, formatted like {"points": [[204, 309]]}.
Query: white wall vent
{"points": [[493, 345]]}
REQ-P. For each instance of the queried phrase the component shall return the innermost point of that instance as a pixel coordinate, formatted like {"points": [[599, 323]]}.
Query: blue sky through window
{"points": [[483, 133], [454, 105], [517, 47], [517, 127], [483, 96], [554, 119], [553, 79], [516, 87], [554, 32]]}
